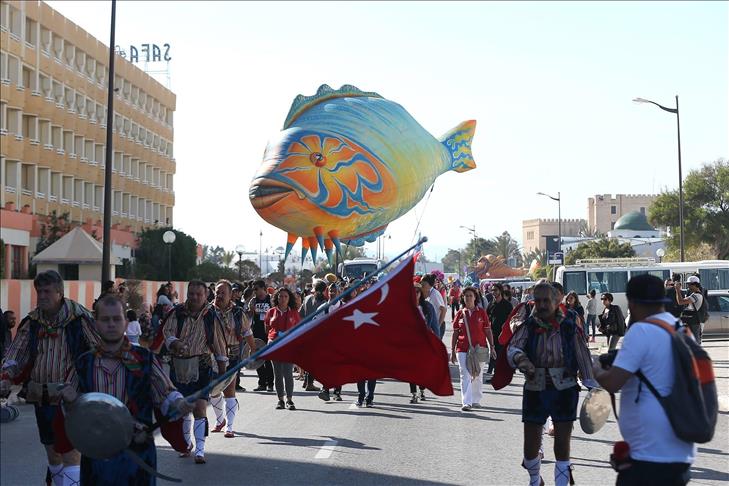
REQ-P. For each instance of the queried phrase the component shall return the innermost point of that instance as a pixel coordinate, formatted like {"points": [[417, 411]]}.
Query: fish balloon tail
{"points": [[458, 143]]}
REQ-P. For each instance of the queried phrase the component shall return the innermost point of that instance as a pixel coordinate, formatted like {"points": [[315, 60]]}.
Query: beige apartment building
{"points": [[534, 231], [53, 117], [604, 210]]}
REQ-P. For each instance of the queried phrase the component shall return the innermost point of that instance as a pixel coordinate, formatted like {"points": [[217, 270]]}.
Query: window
{"points": [[14, 70], [57, 138], [17, 270], [613, 210], [70, 100], [70, 53], [67, 190], [15, 123], [608, 281], [99, 154], [88, 153], [68, 271], [46, 40], [714, 278], [68, 143], [78, 192], [133, 204], [662, 274], [88, 195], [3, 118], [55, 186], [43, 181], [612, 225], [718, 303], [31, 32], [78, 146], [29, 80], [11, 175], [530, 235], [15, 23], [98, 197], [575, 281], [30, 127], [27, 179], [45, 133]]}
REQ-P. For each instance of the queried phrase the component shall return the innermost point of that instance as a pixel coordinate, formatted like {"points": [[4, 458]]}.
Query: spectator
{"points": [[134, 329], [333, 291], [508, 295], [693, 302], [572, 302], [454, 296], [656, 456], [498, 311], [281, 318], [612, 322], [479, 329], [431, 322], [672, 305], [258, 306], [7, 323], [591, 314], [435, 299], [310, 305]]}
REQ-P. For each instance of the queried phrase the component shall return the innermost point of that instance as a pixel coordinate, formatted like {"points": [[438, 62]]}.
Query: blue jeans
{"points": [[591, 321], [370, 390]]}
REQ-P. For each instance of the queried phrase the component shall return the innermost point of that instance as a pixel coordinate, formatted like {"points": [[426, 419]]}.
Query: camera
{"points": [[606, 360]]}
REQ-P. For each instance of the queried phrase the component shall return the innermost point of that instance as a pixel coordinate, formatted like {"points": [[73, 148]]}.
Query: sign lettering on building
{"points": [[146, 53]]}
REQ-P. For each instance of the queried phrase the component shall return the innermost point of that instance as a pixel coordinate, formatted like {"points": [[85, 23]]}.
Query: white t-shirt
{"points": [[134, 330], [436, 300], [644, 425], [697, 300]]}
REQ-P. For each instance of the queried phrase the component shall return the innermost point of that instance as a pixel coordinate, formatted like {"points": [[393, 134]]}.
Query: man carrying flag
{"points": [[381, 334]]}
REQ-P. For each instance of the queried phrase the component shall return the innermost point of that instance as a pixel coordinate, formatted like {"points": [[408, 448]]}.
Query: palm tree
{"points": [[228, 258], [507, 247]]}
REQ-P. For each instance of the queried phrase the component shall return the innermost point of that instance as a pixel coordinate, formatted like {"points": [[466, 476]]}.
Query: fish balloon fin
{"points": [[302, 103], [457, 142]]}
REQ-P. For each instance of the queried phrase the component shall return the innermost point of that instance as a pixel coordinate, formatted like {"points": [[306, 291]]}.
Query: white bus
{"points": [[357, 268], [612, 275]]}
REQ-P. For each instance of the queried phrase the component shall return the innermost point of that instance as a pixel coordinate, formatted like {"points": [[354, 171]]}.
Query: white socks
{"points": [[187, 428], [72, 476], [231, 407], [562, 473], [56, 474], [219, 407], [201, 431], [533, 466]]}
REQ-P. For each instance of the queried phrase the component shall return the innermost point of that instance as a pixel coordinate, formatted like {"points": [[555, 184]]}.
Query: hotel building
{"points": [[53, 118]]}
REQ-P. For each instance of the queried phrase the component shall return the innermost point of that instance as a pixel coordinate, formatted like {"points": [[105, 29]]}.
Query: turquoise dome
{"points": [[633, 221]]}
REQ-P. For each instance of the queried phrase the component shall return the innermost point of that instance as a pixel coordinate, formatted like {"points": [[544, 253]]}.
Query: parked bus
{"points": [[612, 275], [357, 268]]}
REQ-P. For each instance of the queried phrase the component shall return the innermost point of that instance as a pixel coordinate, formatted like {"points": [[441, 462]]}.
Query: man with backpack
{"points": [[695, 313], [658, 447]]}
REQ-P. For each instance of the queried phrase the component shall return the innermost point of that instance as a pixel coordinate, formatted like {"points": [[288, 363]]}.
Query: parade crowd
{"points": [[160, 360]]}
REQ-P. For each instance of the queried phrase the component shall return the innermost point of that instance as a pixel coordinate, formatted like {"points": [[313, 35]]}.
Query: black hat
{"points": [[646, 289], [236, 286]]}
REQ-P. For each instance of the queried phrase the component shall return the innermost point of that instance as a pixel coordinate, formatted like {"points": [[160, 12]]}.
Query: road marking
{"points": [[326, 450]]}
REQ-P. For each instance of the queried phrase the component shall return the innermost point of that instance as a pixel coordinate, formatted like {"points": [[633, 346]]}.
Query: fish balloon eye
{"points": [[317, 158]]}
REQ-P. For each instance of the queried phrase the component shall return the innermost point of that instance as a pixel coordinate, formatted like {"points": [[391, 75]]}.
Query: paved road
{"points": [[394, 443]]}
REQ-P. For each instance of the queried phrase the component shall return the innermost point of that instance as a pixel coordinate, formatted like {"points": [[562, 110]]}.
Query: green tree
{"points": [[210, 272], [452, 261], [213, 254], [227, 258], [706, 209], [52, 230], [604, 248], [151, 256], [475, 249], [539, 255], [507, 247]]}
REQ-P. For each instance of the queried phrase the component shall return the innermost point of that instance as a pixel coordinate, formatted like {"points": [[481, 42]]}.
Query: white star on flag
{"points": [[361, 318]]}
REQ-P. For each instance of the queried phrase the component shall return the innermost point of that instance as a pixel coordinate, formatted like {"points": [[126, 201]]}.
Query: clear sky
{"points": [[550, 84]]}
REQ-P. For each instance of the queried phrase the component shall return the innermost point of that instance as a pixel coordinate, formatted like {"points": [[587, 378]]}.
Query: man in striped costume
{"points": [[133, 375], [198, 349], [42, 357], [236, 326]]}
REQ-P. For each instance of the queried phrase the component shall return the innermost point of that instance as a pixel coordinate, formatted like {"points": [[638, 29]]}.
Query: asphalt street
{"points": [[395, 443]]}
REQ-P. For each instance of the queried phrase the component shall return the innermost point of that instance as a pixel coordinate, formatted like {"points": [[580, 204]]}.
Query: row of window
{"points": [[44, 183], [52, 44], [39, 131], [74, 101]]}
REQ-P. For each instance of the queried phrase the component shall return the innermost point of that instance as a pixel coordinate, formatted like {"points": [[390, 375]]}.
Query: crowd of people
{"points": [[62, 349]]}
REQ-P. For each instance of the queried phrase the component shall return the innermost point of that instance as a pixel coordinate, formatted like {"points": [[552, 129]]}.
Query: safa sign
{"points": [[149, 53]]}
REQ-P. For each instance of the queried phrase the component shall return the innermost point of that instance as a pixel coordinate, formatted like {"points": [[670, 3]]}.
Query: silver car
{"points": [[718, 322]]}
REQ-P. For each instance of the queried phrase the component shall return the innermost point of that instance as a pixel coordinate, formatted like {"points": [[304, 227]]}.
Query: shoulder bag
{"points": [[476, 354]]}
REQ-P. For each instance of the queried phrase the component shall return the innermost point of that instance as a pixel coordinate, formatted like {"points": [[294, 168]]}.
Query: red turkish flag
{"points": [[380, 334]]}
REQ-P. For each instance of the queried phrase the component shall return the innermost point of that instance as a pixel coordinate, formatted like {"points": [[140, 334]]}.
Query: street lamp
{"points": [[660, 253], [169, 237], [471, 230], [559, 217], [680, 176], [240, 250], [260, 249]]}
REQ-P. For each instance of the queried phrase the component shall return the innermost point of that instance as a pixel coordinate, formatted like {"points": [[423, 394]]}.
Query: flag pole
{"points": [[253, 357]]}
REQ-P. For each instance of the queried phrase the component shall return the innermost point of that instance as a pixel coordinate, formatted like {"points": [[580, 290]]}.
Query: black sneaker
{"points": [[260, 388], [280, 405], [359, 403], [414, 398], [337, 397], [290, 405], [422, 395], [368, 404], [324, 395]]}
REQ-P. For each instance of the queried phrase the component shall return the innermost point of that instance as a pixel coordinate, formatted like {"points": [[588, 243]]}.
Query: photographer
{"points": [[693, 302], [655, 455]]}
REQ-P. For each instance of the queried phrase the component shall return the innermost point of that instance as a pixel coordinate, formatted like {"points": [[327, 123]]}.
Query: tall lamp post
{"points": [[260, 250], [239, 250], [680, 176], [169, 237], [471, 230], [106, 240], [559, 217]]}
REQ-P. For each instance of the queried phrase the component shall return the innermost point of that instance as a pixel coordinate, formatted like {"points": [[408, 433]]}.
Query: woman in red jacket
{"points": [[479, 327], [281, 318]]}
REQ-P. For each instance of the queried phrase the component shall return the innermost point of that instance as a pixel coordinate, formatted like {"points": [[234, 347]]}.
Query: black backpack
{"points": [[693, 404], [704, 309]]}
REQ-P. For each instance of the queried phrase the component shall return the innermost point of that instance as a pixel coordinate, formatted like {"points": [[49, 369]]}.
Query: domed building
{"points": [[633, 225]]}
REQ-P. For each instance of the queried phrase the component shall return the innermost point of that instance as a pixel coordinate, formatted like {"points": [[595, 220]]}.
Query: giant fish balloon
{"points": [[346, 164]]}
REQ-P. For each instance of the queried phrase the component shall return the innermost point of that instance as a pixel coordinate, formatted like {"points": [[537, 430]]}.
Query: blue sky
{"points": [[550, 84]]}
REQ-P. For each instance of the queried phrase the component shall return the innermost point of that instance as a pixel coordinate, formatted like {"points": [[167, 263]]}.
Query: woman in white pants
{"points": [[479, 328]]}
